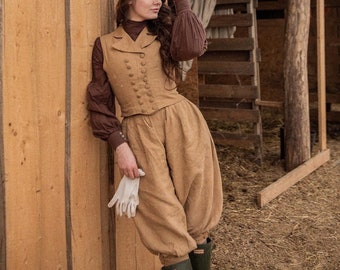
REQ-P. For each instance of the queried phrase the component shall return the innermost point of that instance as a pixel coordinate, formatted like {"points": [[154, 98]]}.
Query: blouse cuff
{"points": [[182, 5], [116, 138]]}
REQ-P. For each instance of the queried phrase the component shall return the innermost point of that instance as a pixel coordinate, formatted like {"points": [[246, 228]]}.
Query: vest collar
{"points": [[123, 42]]}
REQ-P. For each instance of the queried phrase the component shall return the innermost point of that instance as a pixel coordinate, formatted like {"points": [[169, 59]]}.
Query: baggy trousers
{"points": [[181, 193]]}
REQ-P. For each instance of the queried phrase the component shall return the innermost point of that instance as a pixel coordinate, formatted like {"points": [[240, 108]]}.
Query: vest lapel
{"points": [[123, 42]]}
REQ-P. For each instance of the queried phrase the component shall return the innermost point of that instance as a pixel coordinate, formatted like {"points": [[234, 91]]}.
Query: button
{"points": [[140, 102], [142, 55], [130, 75], [151, 100], [143, 63], [126, 60], [147, 86], [135, 89], [139, 95], [149, 93], [133, 83], [145, 79], [128, 66], [143, 70]]}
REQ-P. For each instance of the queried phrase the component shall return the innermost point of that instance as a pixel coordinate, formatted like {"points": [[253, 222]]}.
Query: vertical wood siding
{"points": [[2, 168], [52, 168], [56, 178]]}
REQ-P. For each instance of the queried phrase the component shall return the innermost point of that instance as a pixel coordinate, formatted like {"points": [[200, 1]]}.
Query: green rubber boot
{"points": [[184, 265], [201, 256]]}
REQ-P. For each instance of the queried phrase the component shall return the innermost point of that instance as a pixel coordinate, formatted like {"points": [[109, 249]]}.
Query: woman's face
{"points": [[141, 10]]}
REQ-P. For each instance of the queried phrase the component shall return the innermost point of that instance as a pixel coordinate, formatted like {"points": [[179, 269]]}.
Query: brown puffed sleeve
{"points": [[101, 102], [188, 35]]}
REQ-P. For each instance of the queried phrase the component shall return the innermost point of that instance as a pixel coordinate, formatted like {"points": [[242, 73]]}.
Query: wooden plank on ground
{"points": [[230, 44], [238, 20], [227, 91], [291, 178], [231, 115], [234, 68]]}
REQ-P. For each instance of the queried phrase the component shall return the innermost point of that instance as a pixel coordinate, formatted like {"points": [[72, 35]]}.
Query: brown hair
{"points": [[161, 27]]}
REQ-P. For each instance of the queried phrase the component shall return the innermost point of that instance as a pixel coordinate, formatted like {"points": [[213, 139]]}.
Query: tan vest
{"points": [[135, 73]]}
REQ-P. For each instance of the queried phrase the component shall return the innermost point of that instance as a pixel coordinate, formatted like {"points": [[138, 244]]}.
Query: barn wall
{"points": [[56, 178], [53, 176]]}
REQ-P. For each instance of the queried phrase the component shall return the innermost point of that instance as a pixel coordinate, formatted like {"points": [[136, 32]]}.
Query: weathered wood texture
{"points": [[291, 178], [33, 133], [54, 171], [297, 127], [2, 176], [321, 74]]}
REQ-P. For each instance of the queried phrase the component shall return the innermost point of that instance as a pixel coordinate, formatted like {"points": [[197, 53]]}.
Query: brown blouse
{"points": [[188, 41]]}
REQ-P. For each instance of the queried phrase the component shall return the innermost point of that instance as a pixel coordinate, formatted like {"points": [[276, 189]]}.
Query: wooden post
{"points": [[320, 10], [297, 126]]}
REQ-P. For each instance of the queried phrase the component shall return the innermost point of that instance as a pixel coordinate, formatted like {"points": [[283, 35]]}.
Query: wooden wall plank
{"points": [[230, 115], [33, 124], [21, 136], [85, 188], [227, 91], [235, 68], [50, 100], [240, 140], [2, 166], [230, 44], [239, 20]]}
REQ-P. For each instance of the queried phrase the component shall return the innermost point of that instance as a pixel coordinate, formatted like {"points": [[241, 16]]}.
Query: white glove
{"points": [[126, 196]]}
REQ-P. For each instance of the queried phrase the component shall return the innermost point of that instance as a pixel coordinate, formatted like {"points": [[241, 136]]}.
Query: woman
{"points": [[161, 132]]}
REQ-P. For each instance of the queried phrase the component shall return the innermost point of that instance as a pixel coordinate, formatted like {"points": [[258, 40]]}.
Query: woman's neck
{"points": [[134, 28]]}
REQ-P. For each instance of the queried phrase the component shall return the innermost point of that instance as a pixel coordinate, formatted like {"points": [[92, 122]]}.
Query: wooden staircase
{"points": [[229, 83]]}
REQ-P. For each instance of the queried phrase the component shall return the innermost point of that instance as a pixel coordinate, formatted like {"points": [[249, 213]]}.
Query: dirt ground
{"points": [[297, 230]]}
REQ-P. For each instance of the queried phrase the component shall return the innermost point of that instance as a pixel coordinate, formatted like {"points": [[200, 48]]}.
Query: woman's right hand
{"points": [[126, 161]]}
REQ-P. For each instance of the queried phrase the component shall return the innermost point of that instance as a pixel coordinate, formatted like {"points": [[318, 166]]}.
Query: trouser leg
{"points": [[181, 194], [160, 218], [194, 170]]}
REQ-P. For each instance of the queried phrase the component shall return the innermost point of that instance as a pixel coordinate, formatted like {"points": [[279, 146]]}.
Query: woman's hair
{"points": [[162, 27]]}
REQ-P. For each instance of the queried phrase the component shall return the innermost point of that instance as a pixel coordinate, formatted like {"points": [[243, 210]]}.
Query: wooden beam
{"points": [[228, 91], [265, 103], [230, 44], [235, 68], [231, 115], [320, 10], [240, 20], [240, 140], [291, 178]]}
